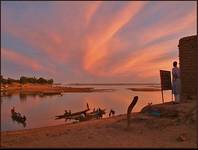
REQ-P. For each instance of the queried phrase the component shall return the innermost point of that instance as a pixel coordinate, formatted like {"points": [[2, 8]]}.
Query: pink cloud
{"points": [[59, 40], [24, 61], [141, 56], [97, 55], [47, 41], [77, 41], [91, 10], [165, 28], [96, 40]]}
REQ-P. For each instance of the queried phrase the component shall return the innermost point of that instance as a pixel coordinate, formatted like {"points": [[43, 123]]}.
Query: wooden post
{"points": [[161, 86], [129, 110], [162, 96]]}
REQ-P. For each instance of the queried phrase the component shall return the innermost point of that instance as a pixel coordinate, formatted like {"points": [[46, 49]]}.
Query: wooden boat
{"points": [[88, 116], [17, 117], [93, 115], [73, 115], [83, 115]]}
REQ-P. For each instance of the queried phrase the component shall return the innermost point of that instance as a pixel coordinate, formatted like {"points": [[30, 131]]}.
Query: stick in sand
{"points": [[135, 99]]}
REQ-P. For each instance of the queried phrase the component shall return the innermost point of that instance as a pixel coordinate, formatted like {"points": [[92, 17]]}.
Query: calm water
{"points": [[41, 111]]}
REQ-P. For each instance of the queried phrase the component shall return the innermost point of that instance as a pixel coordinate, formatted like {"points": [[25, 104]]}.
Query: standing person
{"points": [[112, 112], [176, 82]]}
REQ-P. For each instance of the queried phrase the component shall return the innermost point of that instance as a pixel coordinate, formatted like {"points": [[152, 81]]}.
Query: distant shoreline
{"points": [[144, 89], [44, 89], [111, 84], [57, 88]]}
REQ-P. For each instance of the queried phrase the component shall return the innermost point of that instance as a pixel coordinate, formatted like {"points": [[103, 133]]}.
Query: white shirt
{"points": [[176, 73]]}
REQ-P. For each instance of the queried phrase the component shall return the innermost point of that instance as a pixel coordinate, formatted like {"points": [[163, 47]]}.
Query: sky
{"points": [[93, 41]]}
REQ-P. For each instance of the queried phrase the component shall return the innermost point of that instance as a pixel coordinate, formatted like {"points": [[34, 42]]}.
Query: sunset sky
{"points": [[107, 41]]}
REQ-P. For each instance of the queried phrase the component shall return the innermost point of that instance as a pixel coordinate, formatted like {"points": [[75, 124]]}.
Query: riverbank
{"points": [[43, 89], [176, 127]]}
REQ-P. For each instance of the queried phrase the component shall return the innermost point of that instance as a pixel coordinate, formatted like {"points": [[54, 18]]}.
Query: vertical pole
{"points": [[162, 96], [161, 86]]}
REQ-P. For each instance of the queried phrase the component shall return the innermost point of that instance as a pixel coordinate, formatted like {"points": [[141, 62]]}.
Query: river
{"points": [[41, 111]]}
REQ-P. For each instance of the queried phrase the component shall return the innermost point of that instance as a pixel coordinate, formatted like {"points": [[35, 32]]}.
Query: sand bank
{"points": [[145, 89], [45, 89]]}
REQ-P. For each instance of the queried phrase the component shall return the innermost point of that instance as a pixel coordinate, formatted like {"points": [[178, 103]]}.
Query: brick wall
{"points": [[188, 57]]}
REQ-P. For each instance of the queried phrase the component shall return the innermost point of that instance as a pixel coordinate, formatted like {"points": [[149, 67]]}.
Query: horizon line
{"points": [[119, 83]]}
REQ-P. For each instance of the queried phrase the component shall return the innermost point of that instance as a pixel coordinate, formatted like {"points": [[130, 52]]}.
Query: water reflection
{"points": [[7, 94], [23, 97], [42, 109]]}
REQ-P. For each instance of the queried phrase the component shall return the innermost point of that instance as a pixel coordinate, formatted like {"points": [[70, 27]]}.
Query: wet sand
{"points": [[145, 131]]}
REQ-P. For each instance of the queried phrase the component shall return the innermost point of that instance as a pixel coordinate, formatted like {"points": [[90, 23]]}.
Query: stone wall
{"points": [[188, 57]]}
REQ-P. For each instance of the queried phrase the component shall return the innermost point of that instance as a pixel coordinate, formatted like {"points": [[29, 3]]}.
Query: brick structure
{"points": [[188, 57]]}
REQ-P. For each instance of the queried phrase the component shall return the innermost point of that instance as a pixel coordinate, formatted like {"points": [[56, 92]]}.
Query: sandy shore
{"points": [[176, 129]]}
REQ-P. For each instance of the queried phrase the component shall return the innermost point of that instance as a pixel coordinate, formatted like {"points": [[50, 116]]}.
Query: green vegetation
{"points": [[24, 80]]}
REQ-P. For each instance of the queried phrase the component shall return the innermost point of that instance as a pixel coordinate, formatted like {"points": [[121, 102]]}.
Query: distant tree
{"points": [[9, 81], [31, 80], [41, 80], [1, 79], [34, 80], [17, 81], [4, 81], [50, 81], [23, 80]]}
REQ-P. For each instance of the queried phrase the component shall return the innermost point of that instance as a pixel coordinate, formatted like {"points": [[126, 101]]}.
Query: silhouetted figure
{"points": [[112, 112], [87, 106], [69, 112], [13, 110], [24, 118], [98, 113], [176, 82], [135, 99], [19, 115], [66, 113]]}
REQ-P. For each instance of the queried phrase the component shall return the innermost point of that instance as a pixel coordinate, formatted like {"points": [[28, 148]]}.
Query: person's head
{"points": [[174, 64]]}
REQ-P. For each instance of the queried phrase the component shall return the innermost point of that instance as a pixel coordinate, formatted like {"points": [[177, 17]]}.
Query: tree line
{"points": [[24, 80]]}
